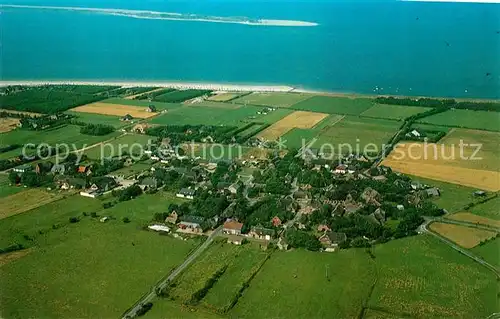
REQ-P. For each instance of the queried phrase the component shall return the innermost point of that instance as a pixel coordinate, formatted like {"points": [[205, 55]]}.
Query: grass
{"points": [[215, 104], [166, 309], [334, 105], [274, 116], [93, 118], [421, 277], [6, 189], [467, 237], [475, 219], [207, 116], [490, 251], [490, 209], [24, 201], [298, 137], [394, 112], [331, 120], [223, 97], [130, 144], [159, 105], [481, 120], [303, 284], [278, 99], [88, 269]]}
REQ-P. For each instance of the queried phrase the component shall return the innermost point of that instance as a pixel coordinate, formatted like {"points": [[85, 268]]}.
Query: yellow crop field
{"points": [[115, 109], [471, 218], [25, 201], [298, 119], [466, 237], [428, 161], [8, 124]]}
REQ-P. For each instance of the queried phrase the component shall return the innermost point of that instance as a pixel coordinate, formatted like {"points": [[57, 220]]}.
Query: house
{"points": [[172, 218], [276, 221], [232, 227], [380, 178], [371, 196], [83, 169], [282, 244], [479, 193], [186, 193], [191, 223], [414, 133], [127, 118], [341, 169], [323, 228], [151, 108], [400, 207], [23, 168], [351, 207], [148, 183], [140, 128], [417, 185], [159, 228], [233, 188], [104, 219], [433, 192], [261, 233], [332, 239], [236, 240]]}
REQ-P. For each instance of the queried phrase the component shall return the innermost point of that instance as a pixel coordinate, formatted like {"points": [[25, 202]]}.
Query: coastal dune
{"points": [[157, 15]]}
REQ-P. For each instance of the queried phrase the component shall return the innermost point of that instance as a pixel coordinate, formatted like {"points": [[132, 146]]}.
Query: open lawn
{"points": [[88, 270], [436, 161], [94, 118], [276, 99], [207, 116], [420, 277], [334, 105], [115, 109], [298, 119], [471, 218], [8, 124], [481, 120], [134, 144], [489, 251], [159, 106], [356, 131], [489, 209], [24, 201], [395, 112], [303, 284], [466, 237]]}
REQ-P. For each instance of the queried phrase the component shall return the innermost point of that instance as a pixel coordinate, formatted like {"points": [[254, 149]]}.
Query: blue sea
{"points": [[386, 47]]}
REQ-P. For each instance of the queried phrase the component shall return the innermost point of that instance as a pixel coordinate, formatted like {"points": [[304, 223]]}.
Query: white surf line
{"points": [[157, 15]]}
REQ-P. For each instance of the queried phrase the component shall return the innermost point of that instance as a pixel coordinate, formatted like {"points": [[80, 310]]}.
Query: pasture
{"points": [[393, 112], [466, 237], [8, 124], [215, 105], [159, 106], [224, 96], [274, 116], [24, 201], [489, 251], [420, 277], [428, 161], [298, 119], [130, 144], [471, 218], [276, 99], [94, 118], [115, 109], [334, 105], [481, 120], [489, 209], [6, 188], [297, 137]]}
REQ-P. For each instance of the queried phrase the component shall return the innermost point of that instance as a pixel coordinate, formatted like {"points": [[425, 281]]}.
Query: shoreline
{"points": [[228, 87]]}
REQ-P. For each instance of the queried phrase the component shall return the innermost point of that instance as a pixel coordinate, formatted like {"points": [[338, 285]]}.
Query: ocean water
{"points": [[387, 47]]}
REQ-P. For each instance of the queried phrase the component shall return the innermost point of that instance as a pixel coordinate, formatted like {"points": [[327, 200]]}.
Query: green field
{"points": [[129, 144], [295, 137], [274, 116], [489, 251], [252, 130], [278, 99], [332, 119], [6, 189], [241, 262], [490, 209], [215, 104], [357, 131], [166, 309], [481, 120], [395, 112], [69, 134], [93, 118], [420, 277], [160, 106], [88, 269], [334, 105], [207, 116]]}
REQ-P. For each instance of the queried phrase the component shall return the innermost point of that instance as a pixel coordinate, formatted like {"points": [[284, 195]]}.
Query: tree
{"points": [[73, 220], [126, 220], [13, 177]]}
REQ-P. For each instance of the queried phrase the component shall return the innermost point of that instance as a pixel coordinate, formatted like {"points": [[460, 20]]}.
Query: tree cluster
{"points": [[96, 129]]}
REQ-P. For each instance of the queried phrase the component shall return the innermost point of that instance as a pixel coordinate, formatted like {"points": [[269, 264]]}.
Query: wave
{"points": [[157, 15]]}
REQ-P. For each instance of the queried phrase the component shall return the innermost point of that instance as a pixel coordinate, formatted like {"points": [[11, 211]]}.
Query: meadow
{"points": [[489, 251], [489, 209], [297, 137], [276, 99], [93, 118], [481, 120], [224, 97], [334, 105], [393, 112], [159, 106], [123, 145], [467, 237], [21, 202], [472, 218], [6, 189]]}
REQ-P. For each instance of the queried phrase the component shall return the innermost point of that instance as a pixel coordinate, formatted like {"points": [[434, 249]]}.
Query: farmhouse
{"points": [[232, 227], [341, 169], [151, 108], [332, 239], [148, 183], [261, 233], [191, 223], [186, 193]]}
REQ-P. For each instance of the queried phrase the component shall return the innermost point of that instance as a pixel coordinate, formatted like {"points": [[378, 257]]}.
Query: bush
{"points": [[126, 220], [73, 220]]}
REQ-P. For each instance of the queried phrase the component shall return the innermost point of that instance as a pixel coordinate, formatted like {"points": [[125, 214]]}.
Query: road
{"points": [[164, 283], [423, 228]]}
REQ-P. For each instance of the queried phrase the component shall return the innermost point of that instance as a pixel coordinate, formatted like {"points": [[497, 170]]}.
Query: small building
{"points": [[127, 118], [148, 183], [341, 169], [400, 207], [236, 240], [417, 185], [415, 133], [332, 239], [104, 219], [159, 228], [323, 228], [261, 233], [186, 193], [90, 193], [191, 223], [479, 193], [233, 188], [83, 169], [23, 168], [276, 221], [172, 218], [232, 227], [433, 192], [151, 108]]}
